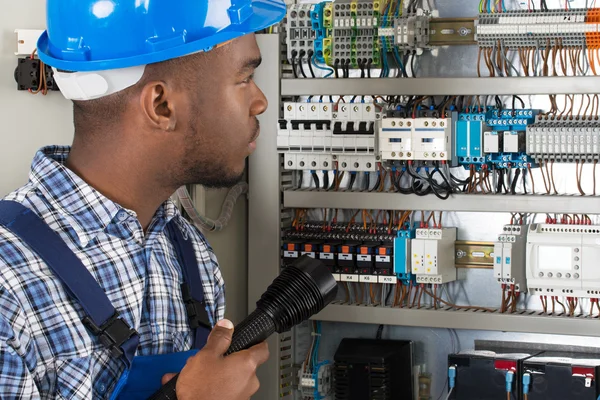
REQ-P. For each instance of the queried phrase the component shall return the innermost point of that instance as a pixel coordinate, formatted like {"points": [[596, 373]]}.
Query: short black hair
{"points": [[98, 114]]}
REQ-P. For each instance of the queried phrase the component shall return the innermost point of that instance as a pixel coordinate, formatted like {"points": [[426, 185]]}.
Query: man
{"points": [[104, 287]]}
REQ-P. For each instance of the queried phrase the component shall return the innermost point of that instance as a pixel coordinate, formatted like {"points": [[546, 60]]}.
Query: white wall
{"points": [[27, 122]]}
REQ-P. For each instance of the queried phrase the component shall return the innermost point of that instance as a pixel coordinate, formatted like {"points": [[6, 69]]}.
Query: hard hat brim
{"points": [[265, 13]]}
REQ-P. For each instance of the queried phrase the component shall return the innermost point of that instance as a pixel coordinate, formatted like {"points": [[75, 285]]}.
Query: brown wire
{"points": [[563, 61], [552, 176], [347, 300], [562, 305], [487, 55], [415, 298], [546, 183], [554, 56], [456, 306], [588, 106], [479, 62], [579, 176], [544, 300], [515, 300], [531, 179]]}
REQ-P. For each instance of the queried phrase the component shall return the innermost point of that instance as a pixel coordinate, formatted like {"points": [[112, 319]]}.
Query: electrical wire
{"points": [[329, 70], [449, 394], [457, 306], [204, 223], [302, 53], [310, 63], [315, 179]]}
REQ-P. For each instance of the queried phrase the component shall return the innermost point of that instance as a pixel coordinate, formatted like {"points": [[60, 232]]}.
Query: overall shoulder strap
{"points": [[191, 288], [101, 317]]}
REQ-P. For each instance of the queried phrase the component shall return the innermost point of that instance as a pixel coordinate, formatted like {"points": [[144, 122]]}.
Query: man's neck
{"points": [[128, 181]]}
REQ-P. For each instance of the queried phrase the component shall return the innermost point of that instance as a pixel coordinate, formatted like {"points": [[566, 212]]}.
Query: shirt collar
{"points": [[84, 208]]}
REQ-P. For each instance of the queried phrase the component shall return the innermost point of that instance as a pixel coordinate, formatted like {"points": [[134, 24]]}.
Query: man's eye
{"points": [[248, 79]]}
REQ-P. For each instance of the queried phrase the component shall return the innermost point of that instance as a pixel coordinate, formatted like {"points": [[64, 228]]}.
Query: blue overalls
{"points": [[142, 375]]}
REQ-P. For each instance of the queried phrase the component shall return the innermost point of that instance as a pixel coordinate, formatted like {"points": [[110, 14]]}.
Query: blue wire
{"points": [[399, 60], [322, 68], [397, 13], [385, 65]]}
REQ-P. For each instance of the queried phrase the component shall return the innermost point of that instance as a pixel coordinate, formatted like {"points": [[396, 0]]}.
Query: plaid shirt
{"points": [[45, 351]]}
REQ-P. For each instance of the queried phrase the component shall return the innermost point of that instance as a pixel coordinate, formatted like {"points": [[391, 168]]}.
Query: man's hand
{"points": [[208, 375]]}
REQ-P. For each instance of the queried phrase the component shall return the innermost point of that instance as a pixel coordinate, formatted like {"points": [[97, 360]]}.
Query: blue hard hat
{"points": [[97, 35]]}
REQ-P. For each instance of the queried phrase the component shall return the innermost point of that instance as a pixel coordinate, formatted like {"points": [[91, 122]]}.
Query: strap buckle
{"points": [[112, 334], [196, 310]]}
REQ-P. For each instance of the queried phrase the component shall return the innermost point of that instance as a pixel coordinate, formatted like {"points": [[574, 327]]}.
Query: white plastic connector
{"points": [[27, 41]]}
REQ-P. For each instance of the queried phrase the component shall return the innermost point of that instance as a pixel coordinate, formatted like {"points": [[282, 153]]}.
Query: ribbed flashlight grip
{"points": [[256, 328], [300, 291]]}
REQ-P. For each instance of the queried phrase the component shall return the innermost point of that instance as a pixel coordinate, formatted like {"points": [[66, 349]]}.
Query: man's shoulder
{"points": [[13, 252]]}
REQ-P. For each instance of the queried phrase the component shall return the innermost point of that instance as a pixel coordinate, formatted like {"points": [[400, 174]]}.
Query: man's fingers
{"points": [[219, 339], [259, 353], [166, 378]]}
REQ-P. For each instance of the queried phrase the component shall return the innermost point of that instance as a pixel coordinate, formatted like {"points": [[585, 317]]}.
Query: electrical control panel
{"points": [[443, 164]]}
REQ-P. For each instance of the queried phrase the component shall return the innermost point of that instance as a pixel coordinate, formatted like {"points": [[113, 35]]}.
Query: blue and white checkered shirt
{"points": [[45, 350]]}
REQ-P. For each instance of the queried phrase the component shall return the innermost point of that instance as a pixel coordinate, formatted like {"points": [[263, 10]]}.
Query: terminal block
{"points": [[520, 29], [563, 140], [354, 40], [300, 33]]}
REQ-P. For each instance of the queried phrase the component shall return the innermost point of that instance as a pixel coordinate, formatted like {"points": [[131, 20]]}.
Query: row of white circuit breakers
{"points": [[355, 137]]}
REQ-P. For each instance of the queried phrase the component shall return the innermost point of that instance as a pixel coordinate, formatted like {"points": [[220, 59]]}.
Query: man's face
{"points": [[221, 122]]}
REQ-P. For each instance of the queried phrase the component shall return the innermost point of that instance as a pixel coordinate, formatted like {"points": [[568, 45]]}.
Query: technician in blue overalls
{"points": [[104, 286]]}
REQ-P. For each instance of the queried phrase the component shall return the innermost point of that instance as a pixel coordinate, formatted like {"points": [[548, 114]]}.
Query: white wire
{"points": [[449, 393], [206, 224]]}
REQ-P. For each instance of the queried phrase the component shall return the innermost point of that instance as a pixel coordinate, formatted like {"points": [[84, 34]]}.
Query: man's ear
{"points": [[159, 105]]}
